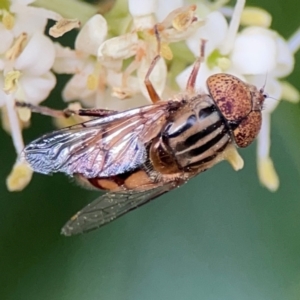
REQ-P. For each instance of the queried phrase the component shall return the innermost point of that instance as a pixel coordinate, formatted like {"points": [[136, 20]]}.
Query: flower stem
{"points": [[294, 41], [14, 124], [233, 27]]}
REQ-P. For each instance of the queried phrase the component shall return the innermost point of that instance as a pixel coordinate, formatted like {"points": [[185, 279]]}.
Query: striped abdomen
{"points": [[196, 136]]}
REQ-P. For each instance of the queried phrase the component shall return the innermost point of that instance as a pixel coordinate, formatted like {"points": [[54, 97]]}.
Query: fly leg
{"points": [[96, 112], [150, 88], [190, 86], [66, 113]]}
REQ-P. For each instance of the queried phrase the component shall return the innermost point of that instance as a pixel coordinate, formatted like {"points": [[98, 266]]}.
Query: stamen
{"points": [[233, 27], [19, 177], [266, 171], [184, 19], [8, 20], [63, 26], [92, 81], [223, 63], [256, 16], [24, 113], [289, 92], [11, 81], [17, 47], [165, 51], [267, 174], [233, 157]]}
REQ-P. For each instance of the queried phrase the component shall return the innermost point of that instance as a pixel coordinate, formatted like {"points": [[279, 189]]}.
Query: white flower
{"points": [[21, 17], [27, 77], [140, 44], [103, 81], [26, 57], [88, 82]]}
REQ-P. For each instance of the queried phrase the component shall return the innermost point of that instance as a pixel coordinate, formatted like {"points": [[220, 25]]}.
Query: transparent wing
{"points": [[101, 147], [109, 207]]}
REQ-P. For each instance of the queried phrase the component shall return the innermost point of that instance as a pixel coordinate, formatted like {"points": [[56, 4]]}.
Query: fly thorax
{"points": [[197, 134]]}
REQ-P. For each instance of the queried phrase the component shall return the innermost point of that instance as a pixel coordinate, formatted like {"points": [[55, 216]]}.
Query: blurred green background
{"points": [[221, 236]]}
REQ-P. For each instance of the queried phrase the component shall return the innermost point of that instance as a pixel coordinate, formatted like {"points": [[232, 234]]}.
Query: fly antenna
{"points": [[264, 85]]}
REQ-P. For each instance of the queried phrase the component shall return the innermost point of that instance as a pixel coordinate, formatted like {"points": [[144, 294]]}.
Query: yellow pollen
{"points": [[184, 19], [11, 81], [92, 82], [166, 51], [255, 16], [17, 47], [267, 174], [62, 26], [122, 93], [8, 20], [289, 92], [19, 177], [233, 157], [223, 63], [24, 113]]}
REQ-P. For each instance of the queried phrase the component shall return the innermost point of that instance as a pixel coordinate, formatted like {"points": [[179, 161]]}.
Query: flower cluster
{"points": [[26, 58], [100, 77], [112, 55]]}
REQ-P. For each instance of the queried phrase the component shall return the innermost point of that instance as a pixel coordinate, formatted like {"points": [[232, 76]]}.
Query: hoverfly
{"points": [[139, 154]]}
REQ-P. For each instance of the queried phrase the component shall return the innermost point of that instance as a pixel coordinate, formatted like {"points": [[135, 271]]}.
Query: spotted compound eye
{"points": [[239, 103]]}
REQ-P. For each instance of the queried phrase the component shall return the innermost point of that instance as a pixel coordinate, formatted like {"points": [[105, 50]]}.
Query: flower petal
{"points": [[91, 35], [24, 2], [38, 55], [121, 47], [2, 93], [68, 61], [6, 39], [254, 51], [28, 19], [76, 88], [285, 59], [163, 8], [139, 8], [2, 64], [214, 31], [35, 89]]}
